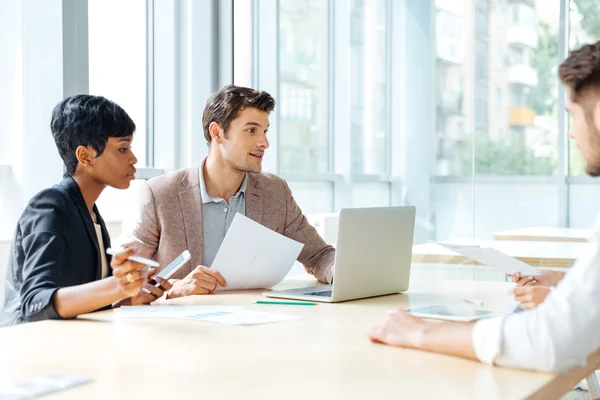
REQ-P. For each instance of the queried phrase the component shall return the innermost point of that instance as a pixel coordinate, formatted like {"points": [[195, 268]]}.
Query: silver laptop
{"points": [[373, 256]]}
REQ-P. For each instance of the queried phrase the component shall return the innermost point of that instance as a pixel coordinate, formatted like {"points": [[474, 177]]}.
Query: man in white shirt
{"points": [[563, 331]]}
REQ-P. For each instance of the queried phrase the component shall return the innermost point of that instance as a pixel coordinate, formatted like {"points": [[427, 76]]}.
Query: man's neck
{"points": [[90, 189], [221, 180]]}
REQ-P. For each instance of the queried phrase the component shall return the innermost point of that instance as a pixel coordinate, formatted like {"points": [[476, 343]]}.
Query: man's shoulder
{"points": [[268, 181], [170, 182]]}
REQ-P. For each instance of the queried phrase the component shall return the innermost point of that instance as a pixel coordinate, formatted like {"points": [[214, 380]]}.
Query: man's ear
{"points": [[85, 155], [215, 132]]}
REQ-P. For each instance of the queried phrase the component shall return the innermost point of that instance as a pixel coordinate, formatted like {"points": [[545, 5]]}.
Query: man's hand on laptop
{"points": [[202, 280]]}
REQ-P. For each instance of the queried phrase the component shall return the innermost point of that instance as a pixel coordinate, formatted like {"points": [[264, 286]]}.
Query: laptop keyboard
{"points": [[325, 293]]}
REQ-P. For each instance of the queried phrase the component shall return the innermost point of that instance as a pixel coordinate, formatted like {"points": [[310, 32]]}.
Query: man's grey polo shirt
{"points": [[217, 216]]}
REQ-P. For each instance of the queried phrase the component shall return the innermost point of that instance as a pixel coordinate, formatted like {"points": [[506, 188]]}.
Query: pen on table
{"points": [[478, 303], [287, 303]]}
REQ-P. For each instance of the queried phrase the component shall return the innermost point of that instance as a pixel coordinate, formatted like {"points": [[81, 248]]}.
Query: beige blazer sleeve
{"points": [[141, 230], [316, 256]]}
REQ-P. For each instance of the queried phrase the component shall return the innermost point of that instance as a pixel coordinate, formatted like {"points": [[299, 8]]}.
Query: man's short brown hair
{"points": [[581, 70], [225, 105]]}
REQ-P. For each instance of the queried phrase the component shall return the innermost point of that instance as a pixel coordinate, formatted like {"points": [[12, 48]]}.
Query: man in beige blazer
{"points": [[192, 208]]}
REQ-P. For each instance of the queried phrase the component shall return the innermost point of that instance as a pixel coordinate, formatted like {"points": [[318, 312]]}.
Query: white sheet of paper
{"points": [[169, 311], [253, 256], [493, 258], [241, 317], [41, 386], [227, 315]]}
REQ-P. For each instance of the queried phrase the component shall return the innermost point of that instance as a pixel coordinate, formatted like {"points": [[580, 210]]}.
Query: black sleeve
{"points": [[45, 223]]}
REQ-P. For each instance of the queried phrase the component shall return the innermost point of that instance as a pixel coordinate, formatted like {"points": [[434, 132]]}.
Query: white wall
{"points": [[11, 199], [32, 82]]}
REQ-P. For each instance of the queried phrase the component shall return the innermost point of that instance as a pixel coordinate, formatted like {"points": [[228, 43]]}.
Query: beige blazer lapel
{"points": [[191, 209], [254, 200]]}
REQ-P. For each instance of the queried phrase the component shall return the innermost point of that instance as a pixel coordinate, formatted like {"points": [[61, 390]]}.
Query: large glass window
{"points": [[450, 105], [304, 86], [515, 134], [584, 28], [117, 60], [368, 72], [453, 80]]}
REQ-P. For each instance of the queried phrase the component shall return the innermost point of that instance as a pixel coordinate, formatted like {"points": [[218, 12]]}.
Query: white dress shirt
{"points": [[557, 335]]}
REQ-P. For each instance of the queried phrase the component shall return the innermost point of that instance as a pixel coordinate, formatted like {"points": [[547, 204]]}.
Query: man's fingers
{"points": [[525, 281], [376, 334], [396, 313], [519, 290], [200, 290], [527, 306], [220, 278], [215, 274], [209, 286], [207, 278], [524, 298]]}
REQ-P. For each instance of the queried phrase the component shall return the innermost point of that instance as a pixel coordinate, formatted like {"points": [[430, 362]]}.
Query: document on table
{"points": [[253, 256], [227, 315], [168, 311], [241, 317], [41, 386], [493, 258]]}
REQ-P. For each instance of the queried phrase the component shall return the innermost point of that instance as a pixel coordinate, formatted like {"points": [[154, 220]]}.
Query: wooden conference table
{"points": [[324, 355]]}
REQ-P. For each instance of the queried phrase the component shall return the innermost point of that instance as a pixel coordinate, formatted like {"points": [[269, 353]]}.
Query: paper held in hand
{"points": [[253, 256], [492, 258]]}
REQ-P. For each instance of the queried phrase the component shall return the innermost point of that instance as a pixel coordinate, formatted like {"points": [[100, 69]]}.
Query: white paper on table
{"points": [[253, 256], [241, 317], [169, 311], [493, 258]]}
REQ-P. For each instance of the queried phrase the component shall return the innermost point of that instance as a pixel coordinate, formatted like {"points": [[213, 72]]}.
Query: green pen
{"points": [[289, 303]]}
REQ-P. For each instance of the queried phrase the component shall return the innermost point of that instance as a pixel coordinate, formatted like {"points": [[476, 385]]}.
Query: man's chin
{"points": [[592, 169], [594, 172], [254, 170], [254, 167]]}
